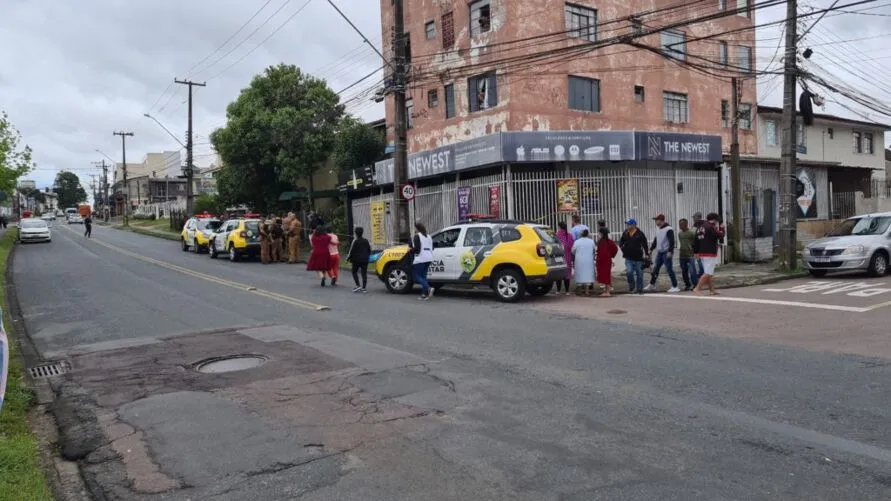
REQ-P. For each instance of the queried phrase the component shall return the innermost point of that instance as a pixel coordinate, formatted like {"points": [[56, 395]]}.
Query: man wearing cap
{"points": [[663, 244], [634, 249]]}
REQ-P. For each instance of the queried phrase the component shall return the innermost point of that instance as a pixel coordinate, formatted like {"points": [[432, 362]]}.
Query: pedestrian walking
{"points": [[334, 251], [577, 227], [583, 251], [606, 252], [709, 240], [686, 241], [634, 249], [663, 246], [320, 256], [422, 247], [276, 234], [565, 238], [88, 227], [265, 242], [358, 256], [295, 232], [697, 222]]}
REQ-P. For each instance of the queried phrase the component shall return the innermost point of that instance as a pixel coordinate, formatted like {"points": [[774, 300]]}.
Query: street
{"points": [[770, 392]]}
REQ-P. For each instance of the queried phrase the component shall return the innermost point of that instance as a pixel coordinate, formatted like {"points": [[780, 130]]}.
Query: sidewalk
{"points": [[727, 276]]}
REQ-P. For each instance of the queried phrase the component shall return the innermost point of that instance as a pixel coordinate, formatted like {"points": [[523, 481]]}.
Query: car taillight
{"points": [[243, 234], [540, 250]]}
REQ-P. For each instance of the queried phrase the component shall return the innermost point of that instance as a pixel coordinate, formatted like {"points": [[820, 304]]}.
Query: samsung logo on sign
{"points": [[431, 164]]}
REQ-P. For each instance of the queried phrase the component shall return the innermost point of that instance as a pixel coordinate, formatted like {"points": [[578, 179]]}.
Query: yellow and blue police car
{"points": [[511, 257]]}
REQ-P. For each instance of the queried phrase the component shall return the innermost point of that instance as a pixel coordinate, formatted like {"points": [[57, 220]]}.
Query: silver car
{"points": [[861, 243], [34, 230]]}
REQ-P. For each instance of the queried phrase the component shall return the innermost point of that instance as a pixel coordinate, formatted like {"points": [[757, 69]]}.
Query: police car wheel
{"points": [[398, 280], [509, 285], [233, 254], [212, 250]]}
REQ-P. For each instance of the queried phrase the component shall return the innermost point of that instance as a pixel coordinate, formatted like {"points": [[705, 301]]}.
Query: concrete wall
{"points": [[871, 205], [534, 95], [823, 147]]}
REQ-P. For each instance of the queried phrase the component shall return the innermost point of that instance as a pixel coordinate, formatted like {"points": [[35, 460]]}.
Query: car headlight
{"points": [[854, 250]]}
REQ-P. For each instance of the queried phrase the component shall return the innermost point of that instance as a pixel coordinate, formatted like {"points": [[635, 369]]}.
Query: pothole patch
{"points": [[230, 363], [617, 312], [50, 369]]}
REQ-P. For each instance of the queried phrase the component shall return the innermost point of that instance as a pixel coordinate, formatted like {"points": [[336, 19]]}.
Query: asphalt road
{"points": [[460, 397]]}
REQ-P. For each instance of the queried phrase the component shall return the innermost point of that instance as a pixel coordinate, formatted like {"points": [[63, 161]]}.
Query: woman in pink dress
{"points": [[565, 238]]}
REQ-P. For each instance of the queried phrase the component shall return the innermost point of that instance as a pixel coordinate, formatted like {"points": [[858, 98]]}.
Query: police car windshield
{"points": [[253, 226], [209, 224], [546, 234]]}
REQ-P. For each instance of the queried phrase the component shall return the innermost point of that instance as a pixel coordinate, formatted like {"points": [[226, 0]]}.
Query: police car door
{"points": [[190, 231], [475, 245], [446, 265], [219, 240]]}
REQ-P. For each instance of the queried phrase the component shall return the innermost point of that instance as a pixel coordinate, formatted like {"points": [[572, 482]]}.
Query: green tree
{"points": [[279, 131], [357, 144], [15, 160], [209, 203], [69, 190]]}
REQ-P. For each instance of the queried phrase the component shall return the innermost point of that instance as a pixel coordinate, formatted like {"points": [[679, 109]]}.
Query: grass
{"points": [[154, 228], [21, 478]]}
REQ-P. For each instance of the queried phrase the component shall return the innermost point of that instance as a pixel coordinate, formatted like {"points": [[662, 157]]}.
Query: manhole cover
{"points": [[230, 363], [617, 312], [49, 370]]}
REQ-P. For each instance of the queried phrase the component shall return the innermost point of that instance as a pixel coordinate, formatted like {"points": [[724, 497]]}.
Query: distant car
{"points": [[237, 238], [860, 243], [34, 230], [48, 217], [197, 232]]}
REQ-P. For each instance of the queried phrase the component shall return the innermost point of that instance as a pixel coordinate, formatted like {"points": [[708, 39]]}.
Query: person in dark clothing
{"points": [[88, 227], [360, 253], [635, 250], [708, 238]]}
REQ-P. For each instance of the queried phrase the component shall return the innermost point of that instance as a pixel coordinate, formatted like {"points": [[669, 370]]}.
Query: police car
{"points": [[510, 257]]}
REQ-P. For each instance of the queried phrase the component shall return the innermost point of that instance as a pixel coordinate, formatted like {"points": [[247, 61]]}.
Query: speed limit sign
{"points": [[408, 192]]}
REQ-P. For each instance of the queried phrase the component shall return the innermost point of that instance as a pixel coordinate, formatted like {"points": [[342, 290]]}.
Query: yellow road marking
{"points": [[217, 280]]}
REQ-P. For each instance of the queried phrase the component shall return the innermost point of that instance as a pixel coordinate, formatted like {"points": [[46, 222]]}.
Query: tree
{"points": [[209, 203], [357, 144], [69, 190], [279, 131], [15, 161]]}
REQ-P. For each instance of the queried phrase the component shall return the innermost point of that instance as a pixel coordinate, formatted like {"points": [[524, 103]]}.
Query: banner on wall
{"points": [[463, 194], [567, 195], [378, 212], [806, 194], [495, 201]]}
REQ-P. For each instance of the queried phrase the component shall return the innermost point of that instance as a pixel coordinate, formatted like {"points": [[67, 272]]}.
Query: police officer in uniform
{"points": [[295, 229], [277, 236]]}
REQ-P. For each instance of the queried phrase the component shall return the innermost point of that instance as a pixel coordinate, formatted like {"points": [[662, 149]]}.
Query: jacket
{"points": [[687, 239], [708, 239], [360, 251], [664, 239], [634, 247]]}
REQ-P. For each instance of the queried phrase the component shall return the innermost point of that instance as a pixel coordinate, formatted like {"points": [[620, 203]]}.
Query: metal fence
{"points": [[844, 205]]}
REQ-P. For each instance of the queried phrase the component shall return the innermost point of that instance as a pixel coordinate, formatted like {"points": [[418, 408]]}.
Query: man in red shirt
{"points": [[708, 240]]}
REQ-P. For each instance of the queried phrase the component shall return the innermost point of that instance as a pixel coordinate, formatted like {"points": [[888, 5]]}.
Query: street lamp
{"points": [[186, 169], [146, 115]]}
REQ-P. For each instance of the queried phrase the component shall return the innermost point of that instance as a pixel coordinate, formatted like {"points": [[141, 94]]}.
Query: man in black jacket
{"points": [[635, 250], [360, 253]]}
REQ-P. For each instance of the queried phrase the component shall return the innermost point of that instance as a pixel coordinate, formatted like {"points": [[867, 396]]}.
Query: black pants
{"points": [[360, 269], [563, 283], [88, 230]]}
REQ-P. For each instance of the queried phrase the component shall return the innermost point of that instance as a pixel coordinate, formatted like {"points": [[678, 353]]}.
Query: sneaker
{"points": [[357, 289], [333, 282], [639, 293], [323, 282], [649, 288], [674, 290], [688, 288], [430, 293], [364, 290], [422, 298]]}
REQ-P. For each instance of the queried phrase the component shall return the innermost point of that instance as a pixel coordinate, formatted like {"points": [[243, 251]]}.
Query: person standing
{"points": [[583, 256], [422, 247], [566, 239], [334, 251], [265, 241], [578, 227], [663, 244], [709, 240], [320, 256], [88, 226], [358, 256], [686, 240], [606, 252], [697, 222], [634, 249], [276, 233], [295, 230]]}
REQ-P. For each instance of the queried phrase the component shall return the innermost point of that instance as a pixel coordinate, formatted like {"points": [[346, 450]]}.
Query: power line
{"points": [[239, 30]]}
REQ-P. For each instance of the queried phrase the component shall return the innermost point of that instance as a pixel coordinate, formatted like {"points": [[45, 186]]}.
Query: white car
{"points": [[34, 230], [75, 219]]}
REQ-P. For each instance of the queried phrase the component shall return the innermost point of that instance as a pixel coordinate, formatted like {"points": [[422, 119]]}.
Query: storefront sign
{"points": [[567, 195], [678, 147], [495, 201], [456, 157], [594, 146], [463, 202], [378, 211]]}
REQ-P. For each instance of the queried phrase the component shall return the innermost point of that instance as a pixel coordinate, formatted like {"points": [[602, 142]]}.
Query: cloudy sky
{"points": [[74, 72]]}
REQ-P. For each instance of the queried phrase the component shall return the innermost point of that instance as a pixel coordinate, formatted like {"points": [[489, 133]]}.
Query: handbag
{"points": [[648, 262]]}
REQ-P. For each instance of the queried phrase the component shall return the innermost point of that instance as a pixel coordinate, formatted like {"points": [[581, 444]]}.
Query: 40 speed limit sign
{"points": [[408, 192]]}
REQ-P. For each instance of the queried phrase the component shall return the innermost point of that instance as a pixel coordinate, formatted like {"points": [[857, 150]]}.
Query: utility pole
{"points": [[93, 187], [103, 184], [788, 254], [126, 189], [399, 212], [735, 174], [190, 168]]}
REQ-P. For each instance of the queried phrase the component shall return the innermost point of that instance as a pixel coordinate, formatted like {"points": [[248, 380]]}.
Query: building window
{"points": [[857, 143], [482, 92], [584, 94], [448, 30], [432, 98], [409, 111], [449, 91], [674, 44], [801, 134], [722, 4], [744, 55], [430, 30], [480, 18], [742, 7], [725, 113], [745, 116], [674, 107], [581, 22], [639, 93], [868, 147], [770, 133], [722, 54]]}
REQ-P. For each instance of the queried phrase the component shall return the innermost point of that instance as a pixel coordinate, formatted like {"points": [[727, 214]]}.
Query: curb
{"points": [[63, 476], [737, 284]]}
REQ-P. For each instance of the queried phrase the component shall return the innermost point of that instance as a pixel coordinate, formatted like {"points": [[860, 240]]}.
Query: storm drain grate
{"points": [[50, 370]]}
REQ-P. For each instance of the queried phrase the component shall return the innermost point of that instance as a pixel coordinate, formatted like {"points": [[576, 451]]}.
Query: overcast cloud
{"points": [[73, 72]]}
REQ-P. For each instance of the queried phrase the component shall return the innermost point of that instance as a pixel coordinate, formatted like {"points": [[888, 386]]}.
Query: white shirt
{"points": [[426, 254]]}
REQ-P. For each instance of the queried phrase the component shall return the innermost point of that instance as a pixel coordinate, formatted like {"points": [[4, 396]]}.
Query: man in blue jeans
{"points": [[663, 244], [633, 244], [686, 245]]}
